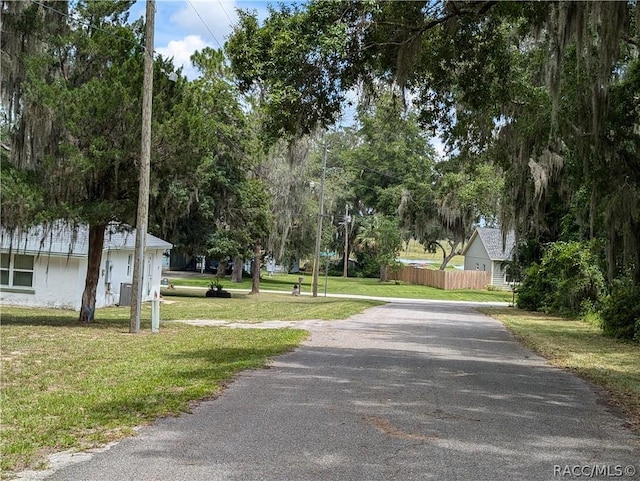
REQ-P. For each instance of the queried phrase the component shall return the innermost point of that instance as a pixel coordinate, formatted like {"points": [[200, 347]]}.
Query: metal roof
{"points": [[63, 239], [492, 241]]}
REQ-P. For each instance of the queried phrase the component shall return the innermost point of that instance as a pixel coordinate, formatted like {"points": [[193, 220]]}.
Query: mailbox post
{"points": [[155, 313]]}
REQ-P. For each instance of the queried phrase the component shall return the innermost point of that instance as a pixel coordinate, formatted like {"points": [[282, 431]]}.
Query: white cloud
{"points": [[210, 19], [186, 26], [181, 51]]}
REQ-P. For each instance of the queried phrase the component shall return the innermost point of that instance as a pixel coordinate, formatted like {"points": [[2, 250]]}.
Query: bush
{"points": [[367, 266], [336, 268], [567, 279], [532, 290], [621, 311]]}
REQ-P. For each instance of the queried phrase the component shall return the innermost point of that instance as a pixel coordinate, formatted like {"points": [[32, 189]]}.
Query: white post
{"points": [[155, 313]]}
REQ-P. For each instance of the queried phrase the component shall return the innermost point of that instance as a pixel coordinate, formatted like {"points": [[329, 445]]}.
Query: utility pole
{"points": [[347, 219], [316, 261], [145, 170]]}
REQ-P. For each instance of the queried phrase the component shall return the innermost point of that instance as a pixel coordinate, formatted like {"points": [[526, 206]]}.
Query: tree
{"points": [[379, 235], [287, 171], [461, 196], [535, 86], [201, 157], [89, 81], [31, 129]]}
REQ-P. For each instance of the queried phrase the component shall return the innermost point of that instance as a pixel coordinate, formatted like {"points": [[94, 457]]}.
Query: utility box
{"points": [[126, 294]]}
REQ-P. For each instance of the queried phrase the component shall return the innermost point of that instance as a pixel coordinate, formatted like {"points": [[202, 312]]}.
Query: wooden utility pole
{"points": [[347, 219], [316, 261], [145, 171]]}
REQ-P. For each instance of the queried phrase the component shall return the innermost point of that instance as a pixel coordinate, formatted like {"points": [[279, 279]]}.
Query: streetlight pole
{"points": [[145, 170], [347, 219], [316, 261]]}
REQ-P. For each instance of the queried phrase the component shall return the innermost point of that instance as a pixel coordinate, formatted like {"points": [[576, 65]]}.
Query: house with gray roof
{"points": [[488, 251], [47, 266]]}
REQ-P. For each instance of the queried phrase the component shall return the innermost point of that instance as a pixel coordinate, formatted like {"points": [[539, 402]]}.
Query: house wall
{"points": [[476, 257], [498, 276], [116, 267], [119, 263], [56, 283]]}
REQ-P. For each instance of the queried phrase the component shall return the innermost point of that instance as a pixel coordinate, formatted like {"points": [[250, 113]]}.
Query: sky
{"points": [[184, 26]]}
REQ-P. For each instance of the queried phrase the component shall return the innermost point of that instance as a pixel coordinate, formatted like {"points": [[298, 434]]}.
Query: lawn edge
{"points": [[615, 400]]}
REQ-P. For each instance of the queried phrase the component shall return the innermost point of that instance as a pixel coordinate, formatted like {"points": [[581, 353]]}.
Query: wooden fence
{"points": [[447, 280]]}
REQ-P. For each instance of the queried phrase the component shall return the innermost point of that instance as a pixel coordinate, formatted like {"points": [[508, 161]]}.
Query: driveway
{"points": [[424, 391]]}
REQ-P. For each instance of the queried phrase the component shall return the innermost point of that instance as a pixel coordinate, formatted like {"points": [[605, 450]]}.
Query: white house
{"points": [[47, 267], [486, 251]]}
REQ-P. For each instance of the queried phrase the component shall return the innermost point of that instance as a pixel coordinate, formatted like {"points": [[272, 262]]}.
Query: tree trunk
{"points": [[222, 269], [255, 270], [443, 265], [451, 255], [236, 274], [94, 257], [384, 273]]}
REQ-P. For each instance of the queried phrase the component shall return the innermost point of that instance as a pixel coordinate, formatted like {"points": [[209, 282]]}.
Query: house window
{"points": [[16, 270], [129, 259]]}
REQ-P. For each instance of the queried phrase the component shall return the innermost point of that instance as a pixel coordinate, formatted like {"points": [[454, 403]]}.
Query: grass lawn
{"points": [[352, 285], [71, 386], [191, 304], [581, 348]]}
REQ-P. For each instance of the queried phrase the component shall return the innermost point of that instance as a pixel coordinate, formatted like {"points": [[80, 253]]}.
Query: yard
{"points": [[71, 386], [340, 285], [580, 347]]}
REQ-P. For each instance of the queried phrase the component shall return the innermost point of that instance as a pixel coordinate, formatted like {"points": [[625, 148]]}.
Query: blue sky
{"points": [[184, 26]]}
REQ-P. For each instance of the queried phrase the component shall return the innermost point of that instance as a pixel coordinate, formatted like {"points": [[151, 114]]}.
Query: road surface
{"points": [[405, 391]]}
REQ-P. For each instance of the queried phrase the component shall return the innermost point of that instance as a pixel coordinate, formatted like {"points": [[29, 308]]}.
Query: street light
{"points": [[316, 261], [347, 219]]}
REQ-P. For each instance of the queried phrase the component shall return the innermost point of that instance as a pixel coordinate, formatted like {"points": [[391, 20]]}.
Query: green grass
{"points": [[71, 386], [66, 385], [191, 304], [352, 286], [582, 348]]}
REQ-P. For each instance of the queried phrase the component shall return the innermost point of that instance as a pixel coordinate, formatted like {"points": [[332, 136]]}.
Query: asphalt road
{"points": [[402, 392]]}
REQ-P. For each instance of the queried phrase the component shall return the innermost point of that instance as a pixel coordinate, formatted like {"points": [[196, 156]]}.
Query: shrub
{"points": [[336, 268], [621, 311], [567, 279], [531, 291], [367, 266]]}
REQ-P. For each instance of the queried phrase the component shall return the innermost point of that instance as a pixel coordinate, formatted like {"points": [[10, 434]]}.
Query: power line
{"points": [[225, 11], [204, 23]]}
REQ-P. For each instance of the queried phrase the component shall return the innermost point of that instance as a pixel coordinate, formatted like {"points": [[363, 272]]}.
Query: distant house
{"points": [[486, 251], [47, 267]]}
